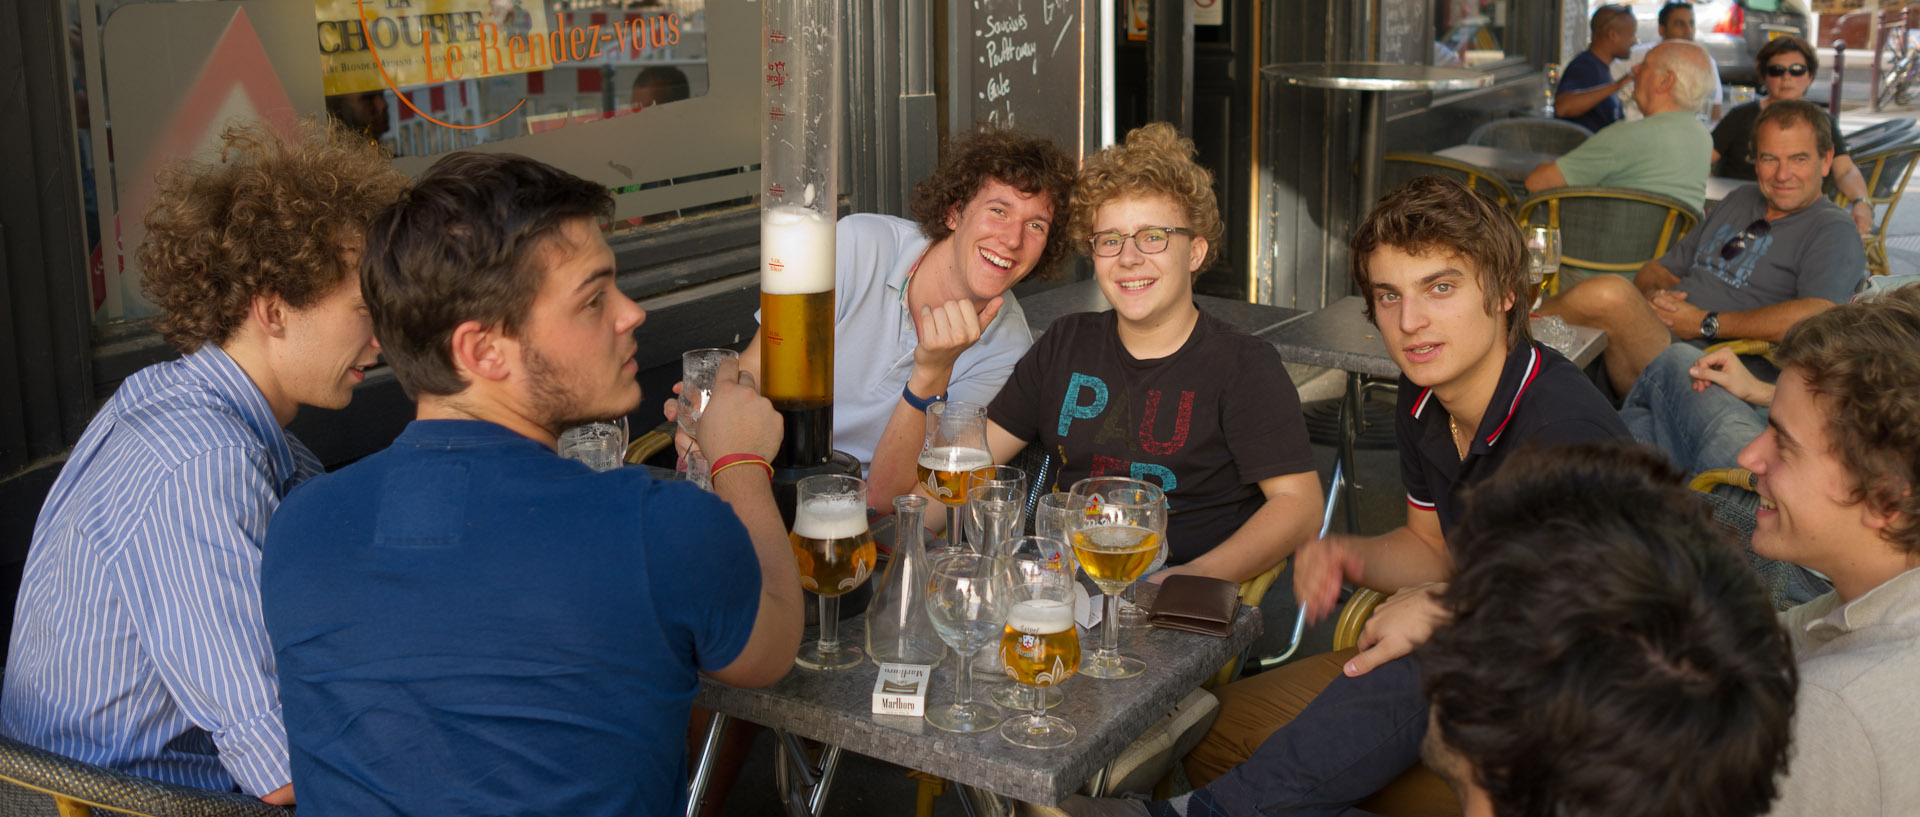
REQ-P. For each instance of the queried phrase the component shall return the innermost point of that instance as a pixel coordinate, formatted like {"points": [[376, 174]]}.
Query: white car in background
{"points": [[1731, 30]]}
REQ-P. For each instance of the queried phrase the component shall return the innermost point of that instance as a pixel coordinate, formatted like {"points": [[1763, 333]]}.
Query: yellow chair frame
{"points": [[1476, 175], [1681, 217], [1873, 165]]}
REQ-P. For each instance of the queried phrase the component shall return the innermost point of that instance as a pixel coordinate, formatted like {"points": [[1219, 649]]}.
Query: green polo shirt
{"points": [[1669, 153]]}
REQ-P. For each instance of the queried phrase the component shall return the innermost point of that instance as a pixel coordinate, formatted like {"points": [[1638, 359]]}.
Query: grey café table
{"points": [[835, 708]]}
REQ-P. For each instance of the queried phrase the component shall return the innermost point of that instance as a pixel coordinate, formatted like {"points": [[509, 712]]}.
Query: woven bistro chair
{"points": [[1607, 229], [1401, 168], [36, 782], [1887, 171], [1555, 136]]}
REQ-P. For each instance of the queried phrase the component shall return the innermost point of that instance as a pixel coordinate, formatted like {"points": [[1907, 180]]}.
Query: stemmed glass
{"points": [[1032, 559], [1052, 515], [956, 443], [836, 553], [1134, 615], [993, 516], [1543, 258], [967, 600], [1039, 646], [1116, 531]]}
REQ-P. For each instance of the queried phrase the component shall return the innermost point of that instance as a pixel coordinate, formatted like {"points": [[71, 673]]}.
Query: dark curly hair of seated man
{"points": [[1611, 652]]}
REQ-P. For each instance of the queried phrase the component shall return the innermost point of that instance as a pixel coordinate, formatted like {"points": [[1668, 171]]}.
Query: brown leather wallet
{"points": [[1196, 604]]}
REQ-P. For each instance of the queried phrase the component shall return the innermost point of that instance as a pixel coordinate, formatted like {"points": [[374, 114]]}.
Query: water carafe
{"points": [[898, 630]]}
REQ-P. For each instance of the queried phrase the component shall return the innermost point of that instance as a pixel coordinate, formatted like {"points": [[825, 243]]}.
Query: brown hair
{"points": [[465, 244], [1786, 113], [1781, 45], [1435, 215], [271, 216], [1861, 358], [1155, 161], [1027, 163]]}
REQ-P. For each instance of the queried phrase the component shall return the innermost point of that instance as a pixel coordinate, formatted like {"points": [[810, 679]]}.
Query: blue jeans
{"points": [[1700, 431], [1353, 739]]}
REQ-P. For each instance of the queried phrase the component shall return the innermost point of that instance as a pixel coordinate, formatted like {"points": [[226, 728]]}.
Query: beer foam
{"points": [[1041, 616], [955, 458], [800, 242], [831, 518]]}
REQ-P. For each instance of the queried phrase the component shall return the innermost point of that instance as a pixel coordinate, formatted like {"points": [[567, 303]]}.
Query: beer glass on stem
{"points": [[1036, 559], [1543, 258], [1117, 527], [1039, 646], [956, 443], [836, 553], [967, 600]]}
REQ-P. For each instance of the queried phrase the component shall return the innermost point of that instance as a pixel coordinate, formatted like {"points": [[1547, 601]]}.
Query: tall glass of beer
{"points": [[1116, 530], [967, 599], [956, 443], [836, 553], [1039, 645]]}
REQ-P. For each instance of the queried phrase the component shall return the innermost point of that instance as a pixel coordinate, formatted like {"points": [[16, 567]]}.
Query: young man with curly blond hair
{"points": [[1154, 388], [138, 642]]}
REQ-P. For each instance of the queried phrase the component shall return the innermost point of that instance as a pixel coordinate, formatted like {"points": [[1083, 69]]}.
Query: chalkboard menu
{"points": [[1406, 31], [1022, 63]]}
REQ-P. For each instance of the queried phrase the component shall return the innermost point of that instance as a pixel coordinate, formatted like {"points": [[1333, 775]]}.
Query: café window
{"points": [[1475, 33], [654, 98]]}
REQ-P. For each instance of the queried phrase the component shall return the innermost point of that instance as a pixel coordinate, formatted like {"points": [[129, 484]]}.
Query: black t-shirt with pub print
{"points": [[1206, 423]]}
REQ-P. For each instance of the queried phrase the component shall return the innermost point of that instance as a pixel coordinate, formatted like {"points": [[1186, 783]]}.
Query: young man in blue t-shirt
{"points": [[1588, 94], [466, 623]]}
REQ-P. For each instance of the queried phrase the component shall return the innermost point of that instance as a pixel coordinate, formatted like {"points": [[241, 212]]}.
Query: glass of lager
{"points": [[1034, 559], [1039, 645], [956, 443], [836, 553], [1116, 531], [967, 599]]}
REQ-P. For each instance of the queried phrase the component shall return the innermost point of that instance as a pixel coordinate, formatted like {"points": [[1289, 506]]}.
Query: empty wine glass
{"points": [[967, 600], [1051, 515], [993, 516]]}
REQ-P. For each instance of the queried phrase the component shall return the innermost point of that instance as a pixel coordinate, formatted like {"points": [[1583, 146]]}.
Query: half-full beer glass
{"points": [[956, 443], [836, 553], [1116, 531], [1039, 646]]}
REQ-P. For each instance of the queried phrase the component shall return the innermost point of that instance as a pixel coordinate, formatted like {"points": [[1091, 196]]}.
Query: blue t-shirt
{"points": [[1587, 72], [465, 623]]}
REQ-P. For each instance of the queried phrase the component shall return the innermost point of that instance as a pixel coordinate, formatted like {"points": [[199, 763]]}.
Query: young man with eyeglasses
{"points": [[1157, 390], [1766, 257]]}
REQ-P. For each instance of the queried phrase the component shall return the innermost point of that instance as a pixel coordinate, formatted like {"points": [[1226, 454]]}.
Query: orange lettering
{"points": [[579, 39], [673, 22], [489, 37], [454, 60], [427, 44], [516, 48]]}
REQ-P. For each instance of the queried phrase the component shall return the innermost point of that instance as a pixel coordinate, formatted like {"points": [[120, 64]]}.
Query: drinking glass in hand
{"points": [[967, 599], [1035, 559], [956, 443], [697, 370], [1117, 527], [1543, 257], [836, 553], [602, 446], [1039, 645]]}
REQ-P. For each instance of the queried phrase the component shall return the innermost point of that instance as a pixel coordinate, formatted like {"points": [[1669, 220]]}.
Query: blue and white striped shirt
{"points": [[137, 640]]}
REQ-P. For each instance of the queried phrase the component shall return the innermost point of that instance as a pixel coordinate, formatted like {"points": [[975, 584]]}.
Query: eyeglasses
{"points": [[1740, 242], [1777, 71], [1149, 241]]}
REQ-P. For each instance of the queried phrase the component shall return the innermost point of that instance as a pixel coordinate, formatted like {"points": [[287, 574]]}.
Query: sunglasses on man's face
{"points": [[1740, 242], [1777, 71]]}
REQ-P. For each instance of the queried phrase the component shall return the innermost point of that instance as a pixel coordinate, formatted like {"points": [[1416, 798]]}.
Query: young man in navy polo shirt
{"points": [[1445, 274]]}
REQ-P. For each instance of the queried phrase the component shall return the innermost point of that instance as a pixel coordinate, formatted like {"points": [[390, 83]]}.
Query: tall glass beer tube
{"points": [[799, 151]]}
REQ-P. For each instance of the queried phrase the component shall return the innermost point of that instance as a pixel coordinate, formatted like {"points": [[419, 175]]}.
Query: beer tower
{"points": [[799, 171]]}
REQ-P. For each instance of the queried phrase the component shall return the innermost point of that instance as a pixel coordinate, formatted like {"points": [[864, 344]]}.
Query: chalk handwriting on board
{"points": [[1400, 31], [1011, 38]]}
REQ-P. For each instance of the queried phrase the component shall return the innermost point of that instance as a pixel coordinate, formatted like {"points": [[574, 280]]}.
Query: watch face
{"points": [[1710, 326]]}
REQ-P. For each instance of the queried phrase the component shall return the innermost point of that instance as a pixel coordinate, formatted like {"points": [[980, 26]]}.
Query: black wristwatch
{"points": [[1710, 325]]}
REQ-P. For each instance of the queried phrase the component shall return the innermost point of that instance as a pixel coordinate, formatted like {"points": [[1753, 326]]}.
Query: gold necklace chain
{"points": [[1454, 427]]}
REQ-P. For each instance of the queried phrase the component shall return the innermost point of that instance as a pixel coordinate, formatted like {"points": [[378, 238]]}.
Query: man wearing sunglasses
{"points": [[1766, 257]]}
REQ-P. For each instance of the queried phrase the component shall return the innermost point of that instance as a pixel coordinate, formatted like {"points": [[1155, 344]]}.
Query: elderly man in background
{"points": [[1588, 93], [1667, 152], [1676, 23]]}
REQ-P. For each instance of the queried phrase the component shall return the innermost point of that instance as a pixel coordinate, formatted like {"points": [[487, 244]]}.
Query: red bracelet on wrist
{"points": [[732, 460]]}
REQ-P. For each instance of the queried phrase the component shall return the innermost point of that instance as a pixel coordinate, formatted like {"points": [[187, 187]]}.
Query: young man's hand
{"points": [[1402, 622], [1321, 566], [737, 419]]}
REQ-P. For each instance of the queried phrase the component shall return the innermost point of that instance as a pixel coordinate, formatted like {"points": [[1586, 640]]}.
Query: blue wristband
{"points": [[918, 403]]}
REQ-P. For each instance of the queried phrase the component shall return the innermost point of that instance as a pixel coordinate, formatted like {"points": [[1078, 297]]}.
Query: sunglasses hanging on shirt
{"points": [[1733, 248], [1778, 71]]}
